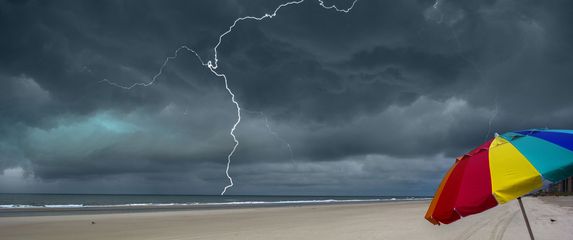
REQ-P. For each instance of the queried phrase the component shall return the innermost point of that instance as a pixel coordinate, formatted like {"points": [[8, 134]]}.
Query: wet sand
{"points": [[391, 220]]}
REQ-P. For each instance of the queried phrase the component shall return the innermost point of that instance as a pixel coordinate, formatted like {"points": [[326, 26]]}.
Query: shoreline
{"points": [[62, 211], [368, 221]]}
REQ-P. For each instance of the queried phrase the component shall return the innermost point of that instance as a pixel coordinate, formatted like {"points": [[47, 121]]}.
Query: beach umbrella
{"points": [[502, 169]]}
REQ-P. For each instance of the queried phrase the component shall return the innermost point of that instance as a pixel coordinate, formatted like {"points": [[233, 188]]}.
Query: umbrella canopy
{"points": [[500, 170]]}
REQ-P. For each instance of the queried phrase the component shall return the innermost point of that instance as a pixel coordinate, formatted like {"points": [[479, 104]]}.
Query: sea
{"points": [[46, 201]]}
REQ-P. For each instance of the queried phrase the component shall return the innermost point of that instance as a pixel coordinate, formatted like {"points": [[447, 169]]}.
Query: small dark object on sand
{"points": [[93, 222], [552, 220]]}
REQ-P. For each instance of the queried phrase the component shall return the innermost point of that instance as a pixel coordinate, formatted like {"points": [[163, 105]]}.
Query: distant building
{"points": [[565, 186]]}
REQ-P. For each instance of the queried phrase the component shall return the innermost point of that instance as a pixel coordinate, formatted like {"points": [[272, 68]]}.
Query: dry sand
{"points": [[395, 220]]}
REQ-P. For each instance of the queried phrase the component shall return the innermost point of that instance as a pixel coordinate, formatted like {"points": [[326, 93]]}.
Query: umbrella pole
{"points": [[525, 217]]}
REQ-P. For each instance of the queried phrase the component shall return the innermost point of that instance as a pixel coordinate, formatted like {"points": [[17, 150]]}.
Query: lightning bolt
{"points": [[347, 10], [482, 76], [212, 65], [273, 133], [492, 118], [435, 6], [160, 72], [276, 135]]}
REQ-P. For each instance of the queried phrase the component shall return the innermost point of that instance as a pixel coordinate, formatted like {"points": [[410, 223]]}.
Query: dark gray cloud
{"points": [[377, 101]]}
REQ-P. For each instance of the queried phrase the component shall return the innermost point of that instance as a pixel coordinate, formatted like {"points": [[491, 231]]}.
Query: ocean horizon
{"points": [[68, 200]]}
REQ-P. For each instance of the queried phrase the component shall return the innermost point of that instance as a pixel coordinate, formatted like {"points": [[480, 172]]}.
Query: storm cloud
{"points": [[378, 101]]}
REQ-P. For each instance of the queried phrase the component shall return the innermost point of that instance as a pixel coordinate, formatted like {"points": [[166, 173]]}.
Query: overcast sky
{"points": [[378, 101]]}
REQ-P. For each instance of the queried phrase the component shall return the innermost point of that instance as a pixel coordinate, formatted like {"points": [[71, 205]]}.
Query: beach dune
{"points": [[390, 220]]}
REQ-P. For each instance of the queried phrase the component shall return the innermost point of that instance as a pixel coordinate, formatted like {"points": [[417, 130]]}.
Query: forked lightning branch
{"points": [[212, 65]]}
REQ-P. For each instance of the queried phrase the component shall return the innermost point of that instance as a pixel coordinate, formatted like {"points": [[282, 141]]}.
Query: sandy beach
{"points": [[390, 220]]}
